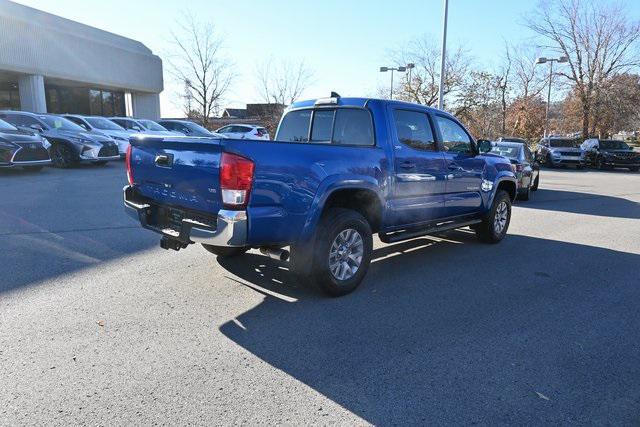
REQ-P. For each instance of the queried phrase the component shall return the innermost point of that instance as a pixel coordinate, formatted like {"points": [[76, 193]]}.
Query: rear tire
{"points": [[536, 182], [344, 245], [495, 224], [525, 195], [33, 168], [225, 251], [62, 156]]}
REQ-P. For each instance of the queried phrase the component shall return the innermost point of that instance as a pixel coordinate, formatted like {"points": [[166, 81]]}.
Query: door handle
{"points": [[163, 160], [407, 165]]}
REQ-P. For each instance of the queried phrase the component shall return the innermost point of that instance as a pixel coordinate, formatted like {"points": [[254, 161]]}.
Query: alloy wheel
{"points": [[345, 254]]}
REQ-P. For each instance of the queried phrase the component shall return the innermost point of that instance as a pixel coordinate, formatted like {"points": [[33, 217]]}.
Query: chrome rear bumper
{"points": [[230, 227]]}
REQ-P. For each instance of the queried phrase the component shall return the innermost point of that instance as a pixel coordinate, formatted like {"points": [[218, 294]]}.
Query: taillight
{"points": [[128, 162], [236, 177]]}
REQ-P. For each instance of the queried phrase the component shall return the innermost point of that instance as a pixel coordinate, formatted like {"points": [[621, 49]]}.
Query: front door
{"points": [[419, 169], [464, 169]]}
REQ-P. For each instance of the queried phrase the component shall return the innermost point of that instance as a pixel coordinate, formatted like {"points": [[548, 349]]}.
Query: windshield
{"points": [[614, 145], [57, 122], [151, 125], [102, 123], [6, 126], [197, 128], [563, 143], [511, 152]]}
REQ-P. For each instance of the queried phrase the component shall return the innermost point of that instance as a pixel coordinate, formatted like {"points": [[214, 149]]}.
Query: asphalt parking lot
{"points": [[99, 325]]}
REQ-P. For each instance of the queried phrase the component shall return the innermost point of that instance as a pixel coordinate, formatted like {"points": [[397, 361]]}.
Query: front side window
{"points": [[414, 130], [151, 125], [454, 138]]}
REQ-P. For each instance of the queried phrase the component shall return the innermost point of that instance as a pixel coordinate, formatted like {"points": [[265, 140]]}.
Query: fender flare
{"points": [[329, 186], [503, 176]]}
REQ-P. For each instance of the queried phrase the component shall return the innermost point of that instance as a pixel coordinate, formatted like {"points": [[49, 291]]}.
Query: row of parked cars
{"points": [[32, 141]]}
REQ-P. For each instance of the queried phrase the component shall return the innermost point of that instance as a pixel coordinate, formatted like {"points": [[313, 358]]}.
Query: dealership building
{"points": [[52, 64]]}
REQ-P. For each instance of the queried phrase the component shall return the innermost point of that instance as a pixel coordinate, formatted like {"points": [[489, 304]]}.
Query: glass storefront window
{"points": [[9, 96], [95, 102]]}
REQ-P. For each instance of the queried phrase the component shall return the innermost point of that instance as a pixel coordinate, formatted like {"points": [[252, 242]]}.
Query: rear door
{"points": [[464, 169], [419, 168], [180, 174]]}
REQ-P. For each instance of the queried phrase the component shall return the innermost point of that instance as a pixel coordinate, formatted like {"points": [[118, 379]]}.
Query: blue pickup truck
{"points": [[339, 170]]}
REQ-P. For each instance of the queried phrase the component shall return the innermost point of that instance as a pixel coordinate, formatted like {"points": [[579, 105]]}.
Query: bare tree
{"points": [[598, 38], [422, 87], [199, 65], [282, 82]]}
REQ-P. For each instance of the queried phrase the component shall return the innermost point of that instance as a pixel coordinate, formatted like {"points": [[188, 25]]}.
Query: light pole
{"points": [[399, 69], [443, 55], [543, 60]]}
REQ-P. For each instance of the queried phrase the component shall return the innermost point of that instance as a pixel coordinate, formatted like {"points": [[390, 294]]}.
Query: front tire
{"points": [[525, 195], [225, 251], [536, 182], [344, 245], [63, 157], [549, 161], [495, 224]]}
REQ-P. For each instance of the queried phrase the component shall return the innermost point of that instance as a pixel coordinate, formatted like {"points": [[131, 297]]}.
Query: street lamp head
{"points": [[384, 69], [541, 60], [411, 65], [402, 69], [563, 59]]}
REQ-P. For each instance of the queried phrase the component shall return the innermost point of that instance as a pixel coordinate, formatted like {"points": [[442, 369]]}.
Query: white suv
{"points": [[244, 132]]}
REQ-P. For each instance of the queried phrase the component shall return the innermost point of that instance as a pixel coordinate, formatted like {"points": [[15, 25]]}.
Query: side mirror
{"points": [[136, 128], [484, 145], [36, 127]]}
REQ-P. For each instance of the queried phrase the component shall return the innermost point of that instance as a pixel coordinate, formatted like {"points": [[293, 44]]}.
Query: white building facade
{"points": [[52, 64]]}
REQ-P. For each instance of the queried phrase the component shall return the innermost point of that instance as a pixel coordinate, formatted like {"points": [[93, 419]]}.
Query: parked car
{"points": [[102, 126], [560, 151], [365, 166], [609, 154], [142, 126], [186, 127], [21, 148], [70, 144], [244, 132], [526, 168], [512, 139]]}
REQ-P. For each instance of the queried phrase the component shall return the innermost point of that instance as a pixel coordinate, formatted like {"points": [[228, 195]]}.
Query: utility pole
{"points": [[443, 56]]}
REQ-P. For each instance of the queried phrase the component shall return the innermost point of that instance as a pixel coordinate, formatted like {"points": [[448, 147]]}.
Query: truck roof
{"points": [[362, 102]]}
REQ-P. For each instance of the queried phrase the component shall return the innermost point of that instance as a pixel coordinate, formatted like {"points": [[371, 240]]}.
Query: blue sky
{"points": [[343, 41]]}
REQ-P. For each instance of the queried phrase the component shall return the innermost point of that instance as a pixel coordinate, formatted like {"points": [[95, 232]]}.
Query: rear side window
{"points": [[295, 126], [353, 127], [414, 130]]}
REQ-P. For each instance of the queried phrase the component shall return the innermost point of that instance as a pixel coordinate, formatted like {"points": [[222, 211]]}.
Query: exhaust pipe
{"points": [[275, 253]]}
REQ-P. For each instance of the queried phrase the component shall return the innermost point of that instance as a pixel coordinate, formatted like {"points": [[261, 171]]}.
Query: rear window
{"points": [[345, 126], [295, 126]]}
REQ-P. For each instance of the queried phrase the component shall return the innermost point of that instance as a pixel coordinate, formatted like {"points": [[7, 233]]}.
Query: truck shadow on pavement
{"points": [[453, 331], [583, 203]]}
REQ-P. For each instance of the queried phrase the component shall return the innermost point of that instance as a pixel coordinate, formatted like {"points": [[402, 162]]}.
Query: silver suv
{"points": [[557, 151]]}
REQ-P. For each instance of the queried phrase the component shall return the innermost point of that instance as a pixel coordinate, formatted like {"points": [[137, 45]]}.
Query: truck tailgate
{"points": [[178, 171]]}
